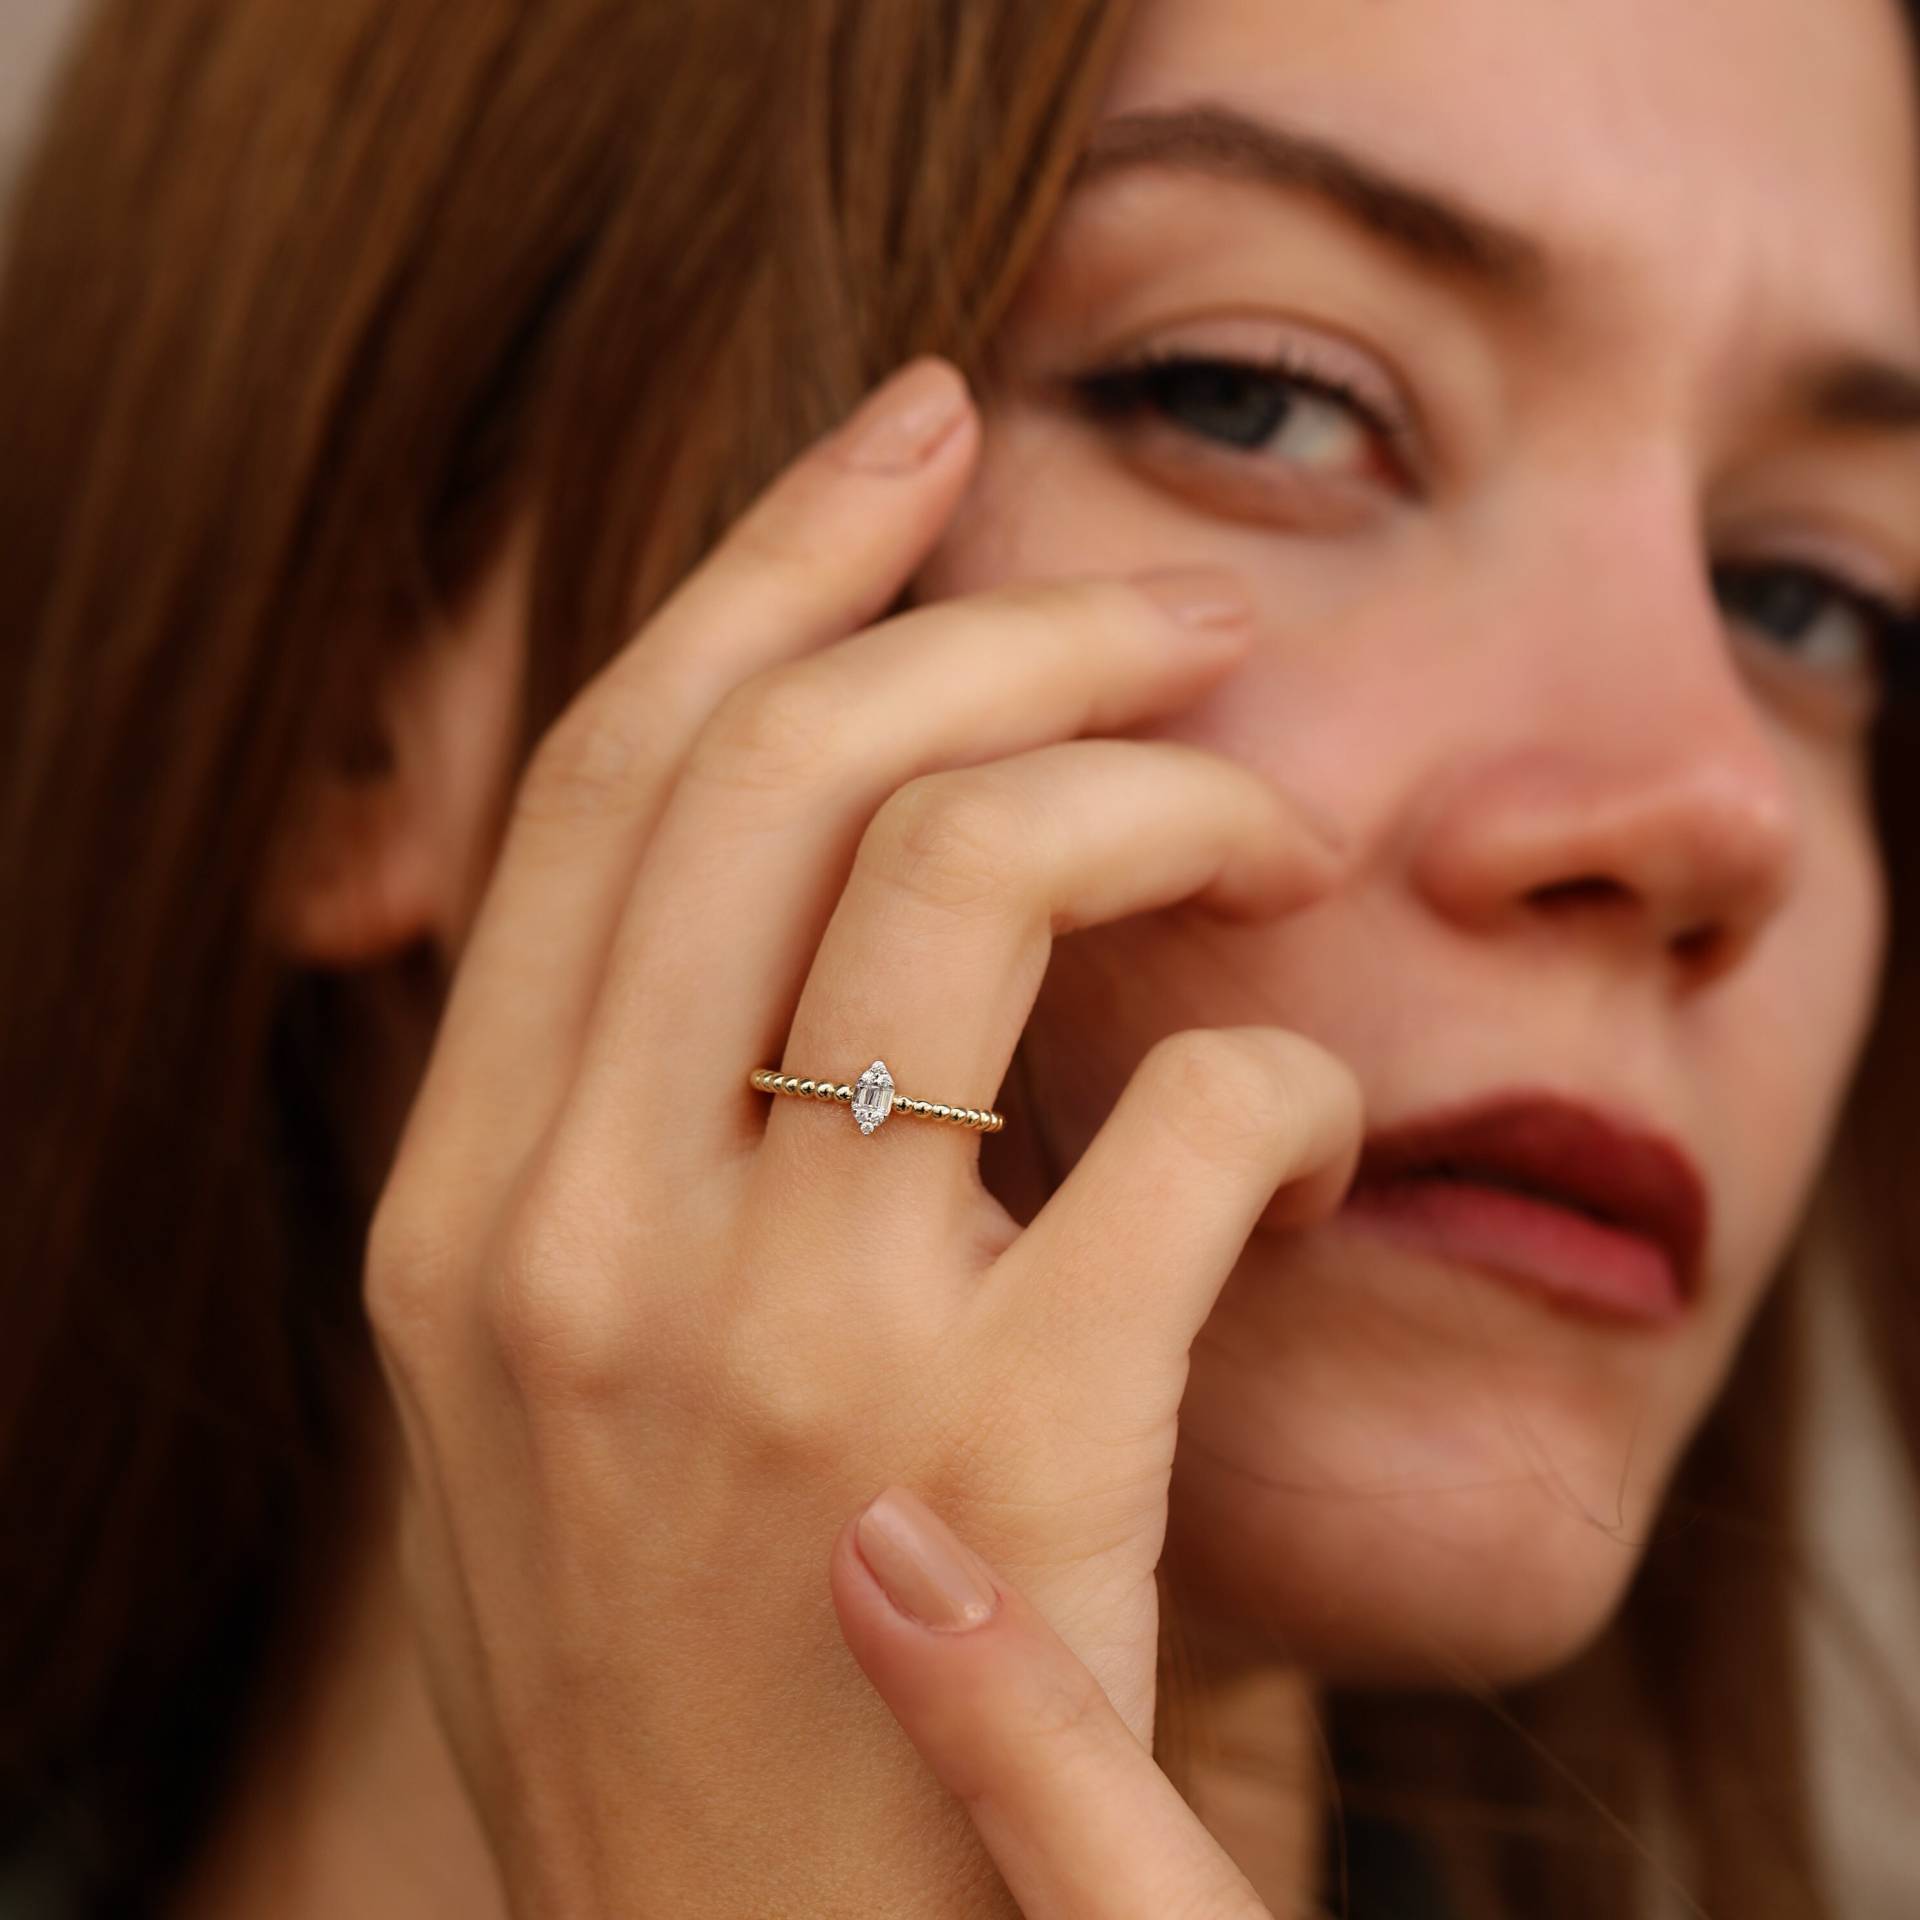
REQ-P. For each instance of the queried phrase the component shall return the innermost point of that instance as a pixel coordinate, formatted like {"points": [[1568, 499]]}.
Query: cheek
{"points": [[1781, 1042], [1357, 1438], [1037, 507], [1335, 705], [1049, 499]]}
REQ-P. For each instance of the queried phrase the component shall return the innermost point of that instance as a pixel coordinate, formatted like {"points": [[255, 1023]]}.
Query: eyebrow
{"points": [[1443, 234], [1438, 232], [1858, 391]]}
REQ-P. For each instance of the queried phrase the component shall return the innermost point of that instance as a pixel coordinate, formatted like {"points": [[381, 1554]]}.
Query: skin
{"points": [[1600, 839], [1511, 684]]}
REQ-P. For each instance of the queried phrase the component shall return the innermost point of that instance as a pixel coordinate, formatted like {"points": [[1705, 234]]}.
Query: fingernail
{"points": [[925, 1571], [1198, 596], [900, 425]]}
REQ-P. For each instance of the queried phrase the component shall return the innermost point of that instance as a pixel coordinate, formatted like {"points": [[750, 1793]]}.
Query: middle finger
{"points": [[756, 841]]}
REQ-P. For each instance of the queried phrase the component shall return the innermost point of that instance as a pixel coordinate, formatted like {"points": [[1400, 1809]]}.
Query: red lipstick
{"points": [[1600, 1214]]}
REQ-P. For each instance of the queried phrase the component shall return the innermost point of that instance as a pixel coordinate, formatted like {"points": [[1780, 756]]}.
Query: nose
{"points": [[1621, 787]]}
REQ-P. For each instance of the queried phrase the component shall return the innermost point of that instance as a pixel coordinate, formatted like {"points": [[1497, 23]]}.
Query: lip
{"points": [[1599, 1213]]}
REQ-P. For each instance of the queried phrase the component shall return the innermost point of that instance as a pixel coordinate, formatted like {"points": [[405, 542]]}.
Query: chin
{"points": [[1489, 1587], [1453, 1490]]}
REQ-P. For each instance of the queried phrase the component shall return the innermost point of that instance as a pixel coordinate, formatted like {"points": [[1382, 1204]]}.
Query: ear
{"points": [[350, 880], [391, 841]]}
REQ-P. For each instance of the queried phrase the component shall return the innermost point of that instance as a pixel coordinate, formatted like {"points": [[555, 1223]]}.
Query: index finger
{"points": [[1065, 1794]]}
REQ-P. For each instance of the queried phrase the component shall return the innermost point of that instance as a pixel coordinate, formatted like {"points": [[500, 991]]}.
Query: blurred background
{"points": [[1871, 1540]]}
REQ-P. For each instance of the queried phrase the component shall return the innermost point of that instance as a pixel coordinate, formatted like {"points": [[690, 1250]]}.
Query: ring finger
{"points": [[764, 823], [934, 955]]}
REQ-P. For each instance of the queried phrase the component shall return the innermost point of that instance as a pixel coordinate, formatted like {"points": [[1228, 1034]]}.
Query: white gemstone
{"points": [[873, 1096]]}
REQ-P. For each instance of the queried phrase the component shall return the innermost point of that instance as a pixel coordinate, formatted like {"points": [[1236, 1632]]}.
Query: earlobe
{"points": [[390, 841], [353, 878]]}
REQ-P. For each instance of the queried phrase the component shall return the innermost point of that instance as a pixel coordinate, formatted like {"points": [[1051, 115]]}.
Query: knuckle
{"points": [[781, 534], [1330, 1089], [405, 1279], [782, 1400], [1068, 601], [1233, 1095], [1080, 616], [585, 766], [1065, 1707], [553, 1316], [777, 729], [945, 840]]}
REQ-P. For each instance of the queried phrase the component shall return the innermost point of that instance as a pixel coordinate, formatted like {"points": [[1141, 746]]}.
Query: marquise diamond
{"points": [[873, 1096]]}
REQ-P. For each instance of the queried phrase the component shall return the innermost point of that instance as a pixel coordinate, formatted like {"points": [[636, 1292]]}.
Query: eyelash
{"points": [[1129, 388], [1894, 626]]}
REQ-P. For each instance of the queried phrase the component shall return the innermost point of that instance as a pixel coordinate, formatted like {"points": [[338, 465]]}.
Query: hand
{"points": [[651, 1333], [1080, 1821]]}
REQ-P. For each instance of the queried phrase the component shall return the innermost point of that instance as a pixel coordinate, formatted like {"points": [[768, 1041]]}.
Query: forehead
{"points": [[1744, 152]]}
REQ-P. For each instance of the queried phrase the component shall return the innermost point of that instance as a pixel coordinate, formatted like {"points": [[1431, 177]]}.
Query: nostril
{"points": [[1596, 890], [1701, 944]]}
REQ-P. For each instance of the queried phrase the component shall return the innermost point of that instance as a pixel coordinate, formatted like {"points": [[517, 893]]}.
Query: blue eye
{"points": [[1297, 415], [1822, 621]]}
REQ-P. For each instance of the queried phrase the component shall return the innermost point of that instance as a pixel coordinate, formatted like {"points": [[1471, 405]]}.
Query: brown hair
{"points": [[303, 305]]}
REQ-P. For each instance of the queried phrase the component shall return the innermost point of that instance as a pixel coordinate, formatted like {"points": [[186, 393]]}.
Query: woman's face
{"points": [[1564, 624]]}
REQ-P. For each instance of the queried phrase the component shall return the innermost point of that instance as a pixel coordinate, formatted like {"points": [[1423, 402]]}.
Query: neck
{"points": [[346, 1796], [1253, 1768]]}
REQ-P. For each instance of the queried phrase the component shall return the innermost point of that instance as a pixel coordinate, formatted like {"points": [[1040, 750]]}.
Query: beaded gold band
{"points": [[872, 1098]]}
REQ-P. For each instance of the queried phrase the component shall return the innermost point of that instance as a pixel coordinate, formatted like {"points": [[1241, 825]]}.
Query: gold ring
{"points": [[872, 1098]]}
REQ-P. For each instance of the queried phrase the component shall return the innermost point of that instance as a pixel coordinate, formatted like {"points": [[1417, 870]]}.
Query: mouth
{"points": [[1600, 1215]]}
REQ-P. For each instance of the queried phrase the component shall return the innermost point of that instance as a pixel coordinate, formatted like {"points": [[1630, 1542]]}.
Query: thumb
{"points": [[1079, 1819]]}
